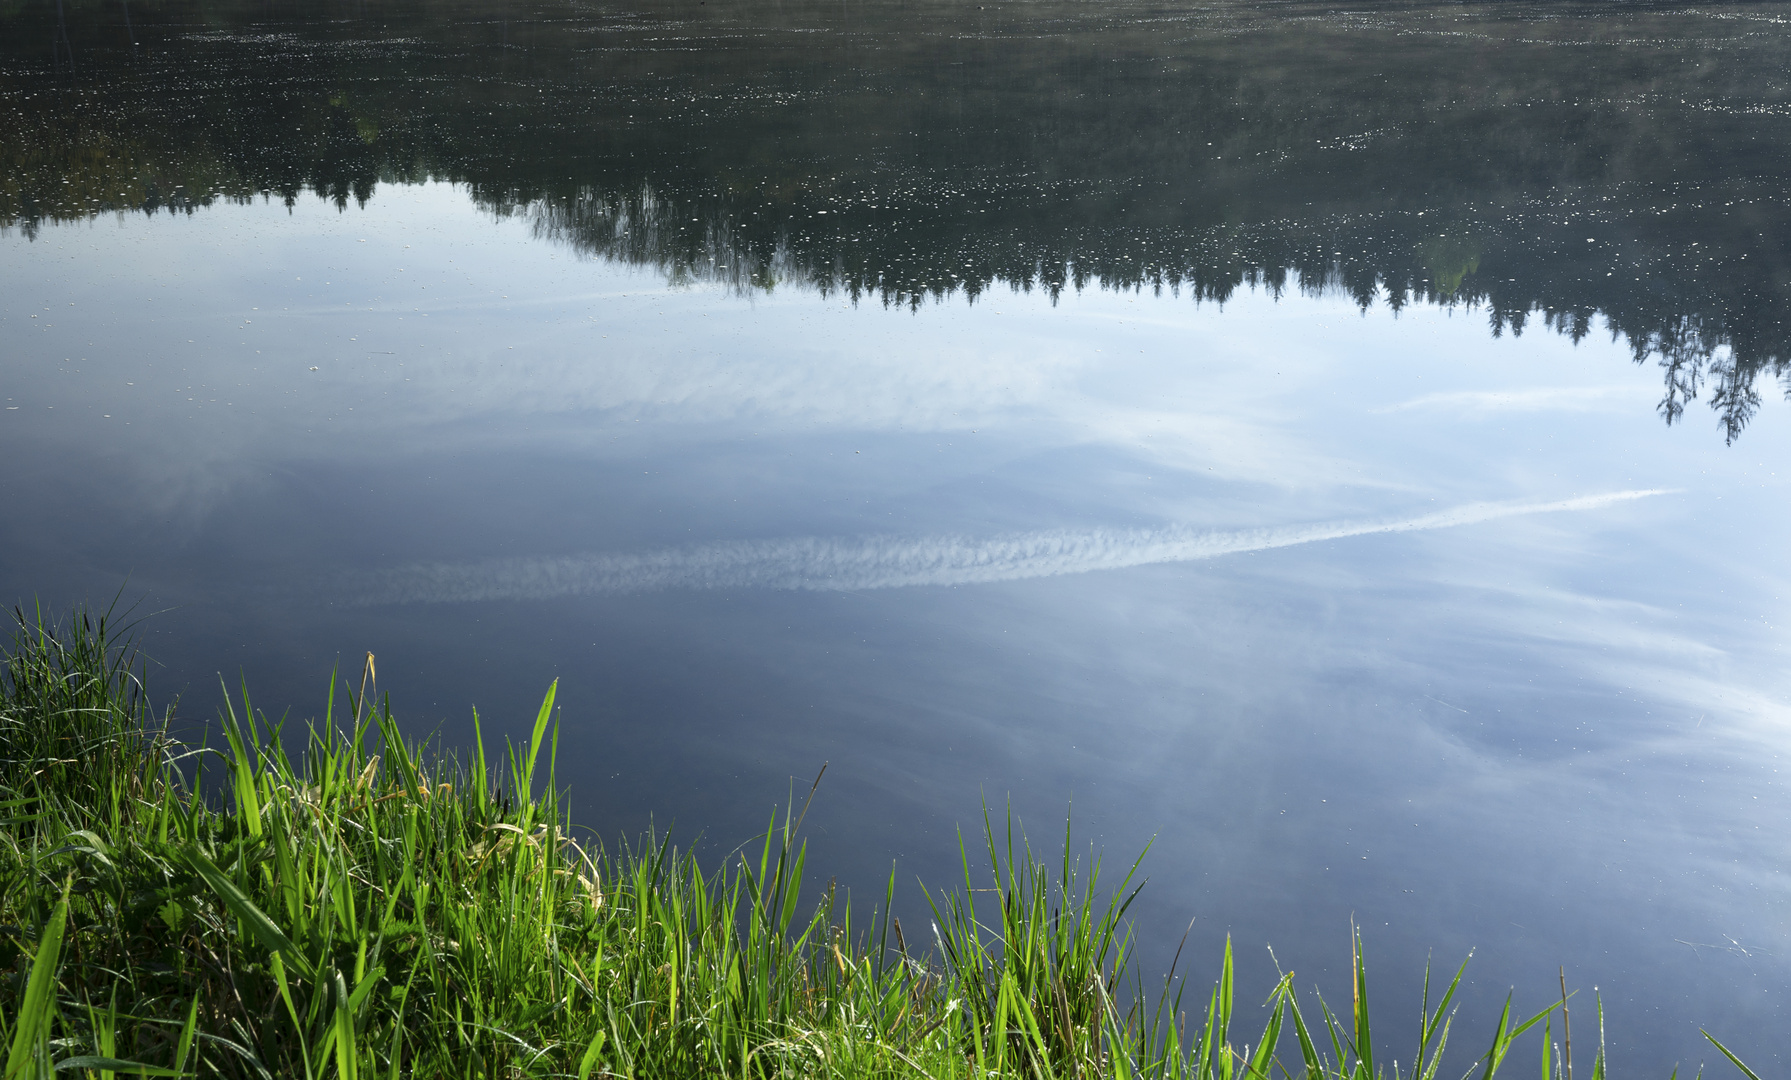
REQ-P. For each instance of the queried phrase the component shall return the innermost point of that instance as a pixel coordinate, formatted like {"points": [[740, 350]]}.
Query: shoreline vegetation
{"points": [[381, 907]]}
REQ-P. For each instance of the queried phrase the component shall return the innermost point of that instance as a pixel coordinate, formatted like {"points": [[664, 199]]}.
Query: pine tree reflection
{"points": [[1587, 172]]}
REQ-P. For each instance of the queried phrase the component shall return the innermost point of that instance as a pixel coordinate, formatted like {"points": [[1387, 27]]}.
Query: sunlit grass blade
{"points": [[37, 1005], [1749, 1073], [262, 927]]}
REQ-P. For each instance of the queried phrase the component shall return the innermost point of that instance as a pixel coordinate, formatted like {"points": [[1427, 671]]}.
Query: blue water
{"points": [[1348, 612]]}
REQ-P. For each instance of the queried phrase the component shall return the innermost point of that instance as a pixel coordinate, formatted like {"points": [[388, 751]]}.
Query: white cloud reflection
{"points": [[1549, 399], [884, 562]]}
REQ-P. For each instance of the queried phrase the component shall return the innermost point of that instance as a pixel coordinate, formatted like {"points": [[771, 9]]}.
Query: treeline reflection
{"points": [[1613, 170]]}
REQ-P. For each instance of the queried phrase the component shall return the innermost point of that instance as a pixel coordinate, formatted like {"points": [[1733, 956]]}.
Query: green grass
{"points": [[382, 908]]}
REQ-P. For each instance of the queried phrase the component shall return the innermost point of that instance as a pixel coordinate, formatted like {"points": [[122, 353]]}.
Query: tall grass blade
{"points": [[542, 719], [37, 1006], [264, 928], [1747, 1072]]}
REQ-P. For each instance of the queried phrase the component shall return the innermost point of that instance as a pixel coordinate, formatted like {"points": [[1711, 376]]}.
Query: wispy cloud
{"points": [[888, 562], [1549, 399]]}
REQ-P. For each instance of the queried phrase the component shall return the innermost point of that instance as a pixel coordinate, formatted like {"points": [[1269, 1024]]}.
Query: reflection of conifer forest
{"points": [[1529, 161]]}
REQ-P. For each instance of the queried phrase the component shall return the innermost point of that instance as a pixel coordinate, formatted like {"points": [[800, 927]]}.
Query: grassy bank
{"points": [[381, 908]]}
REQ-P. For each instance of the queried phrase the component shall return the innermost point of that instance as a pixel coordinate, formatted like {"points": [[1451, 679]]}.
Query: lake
{"points": [[1338, 448]]}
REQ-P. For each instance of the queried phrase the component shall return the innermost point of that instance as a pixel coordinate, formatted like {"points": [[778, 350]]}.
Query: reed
{"points": [[379, 907]]}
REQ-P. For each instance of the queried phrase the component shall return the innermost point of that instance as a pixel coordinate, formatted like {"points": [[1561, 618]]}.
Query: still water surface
{"points": [[1346, 446]]}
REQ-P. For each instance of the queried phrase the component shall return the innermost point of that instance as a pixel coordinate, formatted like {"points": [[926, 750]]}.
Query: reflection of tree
{"points": [[1575, 171]]}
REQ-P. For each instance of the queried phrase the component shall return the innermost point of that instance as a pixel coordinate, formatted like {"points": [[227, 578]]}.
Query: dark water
{"points": [[1341, 444]]}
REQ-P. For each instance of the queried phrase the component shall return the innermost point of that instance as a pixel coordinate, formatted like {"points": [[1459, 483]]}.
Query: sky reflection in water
{"points": [[1358, 613], [1545, 732]]}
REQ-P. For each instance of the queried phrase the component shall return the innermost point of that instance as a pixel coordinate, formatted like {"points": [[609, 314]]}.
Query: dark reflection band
{"points": [[1589, 172]]}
